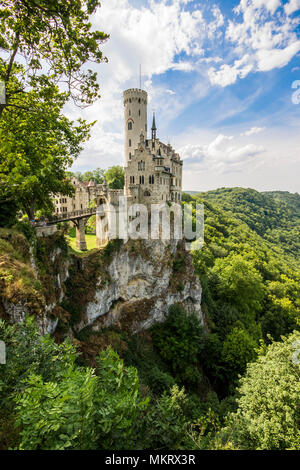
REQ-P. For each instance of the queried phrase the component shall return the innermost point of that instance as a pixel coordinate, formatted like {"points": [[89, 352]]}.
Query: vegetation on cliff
{"points": [[232, 384]]}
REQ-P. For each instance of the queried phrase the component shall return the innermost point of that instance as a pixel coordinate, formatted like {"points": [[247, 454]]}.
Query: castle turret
{"points": [[153, 128], [135, 119]]}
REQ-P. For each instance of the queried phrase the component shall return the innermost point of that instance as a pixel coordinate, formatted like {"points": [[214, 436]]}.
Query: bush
{"points": [[268, 412], [179, 341]]}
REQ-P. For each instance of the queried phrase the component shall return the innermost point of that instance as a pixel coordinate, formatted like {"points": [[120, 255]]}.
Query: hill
{"points": [[275, 216]]}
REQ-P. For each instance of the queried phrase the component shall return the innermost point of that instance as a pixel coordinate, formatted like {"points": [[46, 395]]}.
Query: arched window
{"points": [[129, 144], [130, 126], [147, 193]]}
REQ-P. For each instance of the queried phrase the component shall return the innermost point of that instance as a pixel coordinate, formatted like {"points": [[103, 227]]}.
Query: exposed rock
{"points": [[129, 285], [142, 286]]}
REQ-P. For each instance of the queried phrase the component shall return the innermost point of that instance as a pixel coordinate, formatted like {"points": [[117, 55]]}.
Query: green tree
{"points": [[115, 177], [179, 341], [238, 350], [36, 150], [239, 283], [268, 412], [57, 42], [82, 410]]}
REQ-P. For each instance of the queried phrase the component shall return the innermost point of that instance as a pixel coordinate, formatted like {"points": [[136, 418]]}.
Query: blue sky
{"points": [[219, 75]]}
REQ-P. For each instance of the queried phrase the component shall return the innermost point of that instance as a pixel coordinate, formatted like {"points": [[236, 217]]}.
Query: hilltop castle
{"points": [[153, 171]]}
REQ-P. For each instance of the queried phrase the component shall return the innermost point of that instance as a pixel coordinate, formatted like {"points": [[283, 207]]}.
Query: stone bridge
{"points": [[79, 219]]}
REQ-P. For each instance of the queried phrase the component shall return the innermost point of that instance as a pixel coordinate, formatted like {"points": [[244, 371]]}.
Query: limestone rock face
{"points": [[139, 284], [128, 285]]}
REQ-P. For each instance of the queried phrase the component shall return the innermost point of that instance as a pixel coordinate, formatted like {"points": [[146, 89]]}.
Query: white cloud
{"points": [[219, 156], [154, 36], [226, 75], [262, 37], [292, 6], [253, 130], [276, 58]]}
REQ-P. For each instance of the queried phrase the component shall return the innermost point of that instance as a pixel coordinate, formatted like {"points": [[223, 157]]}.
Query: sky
{"points": [[223, 78]]}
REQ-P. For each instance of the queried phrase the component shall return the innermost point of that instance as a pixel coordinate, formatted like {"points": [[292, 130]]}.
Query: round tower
{"points": [[135, 119]]}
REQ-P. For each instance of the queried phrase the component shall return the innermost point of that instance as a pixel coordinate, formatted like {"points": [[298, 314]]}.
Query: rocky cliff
{"points": [[129, 285]]}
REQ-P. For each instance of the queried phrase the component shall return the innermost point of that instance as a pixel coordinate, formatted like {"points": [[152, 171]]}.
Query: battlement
{"points": [[135, 94]]}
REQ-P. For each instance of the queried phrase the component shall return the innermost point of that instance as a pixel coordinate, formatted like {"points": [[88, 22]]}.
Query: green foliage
{"points": [[269, 406], [8, 212], [165, 421], [238, 350], [179, 341], [36, 150], [115, 177], [58, 405], [95, 175], [250, 281], [27, 29]]}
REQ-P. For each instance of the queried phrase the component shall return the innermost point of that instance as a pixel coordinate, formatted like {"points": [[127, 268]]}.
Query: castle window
{"points": [[139, 100], [142, 181], [151, 179], [129, 100], [129, 144], [141, 165], [139, 112], [129, 113], [129, 155], [147, 193], [130, 126]]}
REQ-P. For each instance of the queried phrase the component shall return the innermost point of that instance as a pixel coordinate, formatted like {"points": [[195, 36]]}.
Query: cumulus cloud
{"points": [[263, 37], [219, 156], [292, 6], [154, 35]]}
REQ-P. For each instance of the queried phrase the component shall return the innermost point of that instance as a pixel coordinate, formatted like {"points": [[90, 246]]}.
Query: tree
{"points": [[268, 412], [115, 177], [82, 410], [36, 150], [238, 350], [239, 283], [179, 342], [56, 41]]}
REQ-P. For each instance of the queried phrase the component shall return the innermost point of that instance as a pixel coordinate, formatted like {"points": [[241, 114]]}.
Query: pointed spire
{"points": [[153, 128]]}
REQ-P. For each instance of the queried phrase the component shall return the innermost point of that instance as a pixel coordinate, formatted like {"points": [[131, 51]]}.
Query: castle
{"points": [[152, 171]]}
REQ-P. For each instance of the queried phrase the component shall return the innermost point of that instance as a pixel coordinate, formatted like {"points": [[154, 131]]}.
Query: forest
{"points": [[232, 384]]}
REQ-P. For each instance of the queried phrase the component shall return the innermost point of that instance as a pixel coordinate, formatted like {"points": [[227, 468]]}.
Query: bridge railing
{"points": [[67, 216]]}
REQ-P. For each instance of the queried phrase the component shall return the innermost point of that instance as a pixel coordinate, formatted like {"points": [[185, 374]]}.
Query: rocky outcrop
{"points": [[138, 285], [129, 285]]}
